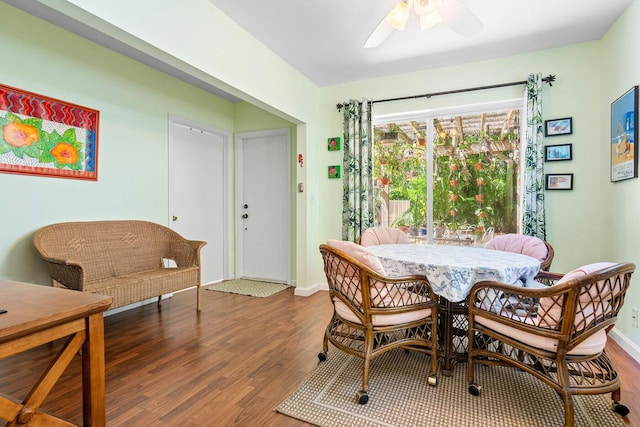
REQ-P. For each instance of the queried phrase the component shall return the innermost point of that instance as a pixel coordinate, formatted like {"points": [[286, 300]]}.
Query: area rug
{"points": [[252, 288], [399, 396]]}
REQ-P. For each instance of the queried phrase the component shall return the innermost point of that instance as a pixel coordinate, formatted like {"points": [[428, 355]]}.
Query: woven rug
{"points": [[399, 396], [252, 288]]}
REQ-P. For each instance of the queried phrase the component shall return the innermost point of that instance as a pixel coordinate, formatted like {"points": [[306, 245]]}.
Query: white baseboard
{"points": [[626, 344], [312, 290]]}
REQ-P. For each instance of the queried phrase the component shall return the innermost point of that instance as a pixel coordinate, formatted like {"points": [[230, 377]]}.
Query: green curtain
{"points": [[533, 218], [357, 179]]}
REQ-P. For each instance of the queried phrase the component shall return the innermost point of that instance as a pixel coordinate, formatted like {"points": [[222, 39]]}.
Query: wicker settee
{"points": [[124, 259]]}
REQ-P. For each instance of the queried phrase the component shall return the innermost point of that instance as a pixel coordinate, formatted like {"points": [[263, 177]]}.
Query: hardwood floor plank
{"points": [[229, 366]]}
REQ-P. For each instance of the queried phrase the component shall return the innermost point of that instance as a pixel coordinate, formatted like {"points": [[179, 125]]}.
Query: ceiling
{"points": [[323, 39]]}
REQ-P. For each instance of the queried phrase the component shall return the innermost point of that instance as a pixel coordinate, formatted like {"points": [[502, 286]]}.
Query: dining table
{"points": [[452, 271]]}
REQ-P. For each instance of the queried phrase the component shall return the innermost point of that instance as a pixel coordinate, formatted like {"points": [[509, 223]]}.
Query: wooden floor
{"points": [[230, 365]]}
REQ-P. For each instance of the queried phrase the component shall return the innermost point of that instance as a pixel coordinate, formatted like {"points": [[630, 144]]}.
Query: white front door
{"points": [[263, 205], [199, 195]]}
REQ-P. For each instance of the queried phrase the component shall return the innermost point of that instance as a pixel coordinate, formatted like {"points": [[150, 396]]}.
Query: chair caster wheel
{"points": [[475, 389], [322, 356], [432, 381], [362, 397], [620, 409]]}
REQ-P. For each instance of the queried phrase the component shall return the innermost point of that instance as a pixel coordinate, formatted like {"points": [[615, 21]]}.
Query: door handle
{"points": [[245, 216]]}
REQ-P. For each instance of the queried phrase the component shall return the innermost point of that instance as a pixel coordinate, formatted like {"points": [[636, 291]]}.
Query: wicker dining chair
{"points": [[383, 236], [556, 333], [374, 313], [526, 245]]}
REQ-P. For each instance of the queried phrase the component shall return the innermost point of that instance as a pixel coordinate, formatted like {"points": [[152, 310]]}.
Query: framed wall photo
{"points": [[46, 136], [333, 143], [624, 133], [554, 153], [557, 127], [333, 172], [559, 181]]}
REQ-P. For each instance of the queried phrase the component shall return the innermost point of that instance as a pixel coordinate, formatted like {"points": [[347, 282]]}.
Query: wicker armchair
{"points": [[382, 236], [526, 245], [374, 313], [556, 333]]}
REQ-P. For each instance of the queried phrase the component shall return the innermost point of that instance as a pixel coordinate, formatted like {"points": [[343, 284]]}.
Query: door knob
{"points": [[245, 216]]}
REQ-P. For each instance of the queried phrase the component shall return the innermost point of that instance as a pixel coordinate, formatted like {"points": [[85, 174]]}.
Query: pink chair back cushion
{"points": [[520, 244], [589, 307], [359, 253], [383, 236]]}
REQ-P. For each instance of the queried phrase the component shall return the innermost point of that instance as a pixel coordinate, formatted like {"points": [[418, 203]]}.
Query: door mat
{"points": [[254, 288]]}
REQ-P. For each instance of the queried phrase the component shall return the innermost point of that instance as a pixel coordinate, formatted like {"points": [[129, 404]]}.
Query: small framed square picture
{"points": [[333, 143], [554, 153], [557, 127], [334, 172], [559, 181]]}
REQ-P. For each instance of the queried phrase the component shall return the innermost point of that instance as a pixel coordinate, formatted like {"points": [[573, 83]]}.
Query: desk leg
{"points": [[93, 373]]}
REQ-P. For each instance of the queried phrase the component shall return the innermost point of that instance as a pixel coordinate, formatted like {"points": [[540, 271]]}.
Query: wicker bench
{"points": [[125, 259]]}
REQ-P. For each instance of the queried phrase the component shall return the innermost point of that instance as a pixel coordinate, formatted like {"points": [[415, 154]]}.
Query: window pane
{"points": [[475, 181], [475, 178]]}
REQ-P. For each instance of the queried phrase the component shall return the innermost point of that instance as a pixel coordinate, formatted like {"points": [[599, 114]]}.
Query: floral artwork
{"points": [[45, 136], [333, 144], [334, 171]]}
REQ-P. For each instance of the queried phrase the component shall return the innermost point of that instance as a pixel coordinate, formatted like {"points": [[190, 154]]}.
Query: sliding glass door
{"points": [[450, 176]]}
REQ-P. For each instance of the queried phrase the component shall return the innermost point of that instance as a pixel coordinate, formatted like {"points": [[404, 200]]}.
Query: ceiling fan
{"points": [[431, 12]]}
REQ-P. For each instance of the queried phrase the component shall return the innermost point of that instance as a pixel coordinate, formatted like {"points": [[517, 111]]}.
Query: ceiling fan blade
{"points": [[459, 18], [380, 34]]}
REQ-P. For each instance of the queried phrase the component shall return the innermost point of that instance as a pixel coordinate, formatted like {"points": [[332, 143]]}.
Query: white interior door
{"points": [[263, 206], [199, 203]]}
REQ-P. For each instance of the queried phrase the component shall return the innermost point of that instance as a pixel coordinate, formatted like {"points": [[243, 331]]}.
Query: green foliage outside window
{"points": [[475, 179]]}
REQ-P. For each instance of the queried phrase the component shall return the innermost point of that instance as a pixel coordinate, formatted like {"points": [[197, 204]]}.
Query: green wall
{"points": [[593, 222], [620, 70]]}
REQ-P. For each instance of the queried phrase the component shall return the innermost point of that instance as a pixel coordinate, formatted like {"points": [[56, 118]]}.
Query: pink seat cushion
{"points": [[383, 236], [592, 345], [520, 244], [359, 253], [383, 319]]}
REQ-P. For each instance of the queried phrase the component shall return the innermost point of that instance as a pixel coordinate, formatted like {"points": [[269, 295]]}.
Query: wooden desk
{"points": [[39, 314]]}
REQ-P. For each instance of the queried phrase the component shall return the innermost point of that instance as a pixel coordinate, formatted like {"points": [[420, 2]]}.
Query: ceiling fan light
{"points": [[399, 15], [428, 21], [424, 7]]}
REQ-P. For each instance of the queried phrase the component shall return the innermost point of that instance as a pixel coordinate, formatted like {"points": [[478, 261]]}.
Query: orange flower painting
{"points": [[45, 136]]}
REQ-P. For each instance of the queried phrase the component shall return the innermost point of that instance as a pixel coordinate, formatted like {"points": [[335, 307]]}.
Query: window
{"points": [[474, 177]]}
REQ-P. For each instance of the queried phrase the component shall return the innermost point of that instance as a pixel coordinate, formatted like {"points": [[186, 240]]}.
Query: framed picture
{"points": [[559, 181], [46, 136], [334, 171], [554, 153], [333, 144], [624, 133], [557, 127]]}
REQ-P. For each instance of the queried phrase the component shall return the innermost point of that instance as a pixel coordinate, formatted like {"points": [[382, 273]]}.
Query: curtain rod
{"points": [[549, 80]]}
